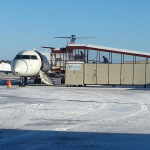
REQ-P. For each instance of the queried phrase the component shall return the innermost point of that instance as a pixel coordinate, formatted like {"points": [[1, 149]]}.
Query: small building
{"points": [[133, 72]]}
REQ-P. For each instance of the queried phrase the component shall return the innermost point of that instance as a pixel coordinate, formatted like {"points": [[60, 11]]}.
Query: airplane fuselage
{"points": [[28, 63]]}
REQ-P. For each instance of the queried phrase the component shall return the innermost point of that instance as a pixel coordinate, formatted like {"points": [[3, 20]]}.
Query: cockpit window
{"points": [[33, 57], [25, 56], [18, 57]]}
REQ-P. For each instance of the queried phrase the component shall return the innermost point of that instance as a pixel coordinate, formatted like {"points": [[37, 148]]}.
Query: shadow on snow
{"points": [[11, 139]]}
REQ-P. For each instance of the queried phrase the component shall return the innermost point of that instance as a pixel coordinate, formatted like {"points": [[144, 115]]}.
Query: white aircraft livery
{"points": [[30, 63]]}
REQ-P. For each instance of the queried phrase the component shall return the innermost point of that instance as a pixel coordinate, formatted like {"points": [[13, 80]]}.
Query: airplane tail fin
{"points": [[73, 38]]}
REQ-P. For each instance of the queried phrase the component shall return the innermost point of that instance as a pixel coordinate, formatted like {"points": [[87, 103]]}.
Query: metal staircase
{"points": [[47, 80]]}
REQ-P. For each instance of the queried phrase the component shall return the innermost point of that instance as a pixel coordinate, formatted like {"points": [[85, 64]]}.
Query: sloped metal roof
{"points": [[108, 49]]}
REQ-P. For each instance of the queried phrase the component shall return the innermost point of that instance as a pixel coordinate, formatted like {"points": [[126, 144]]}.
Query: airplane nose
{"points": [[19, 67]]}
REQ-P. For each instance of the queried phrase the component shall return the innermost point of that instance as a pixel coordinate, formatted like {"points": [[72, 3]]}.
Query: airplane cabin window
{"points": [[33, 57], [25, 56], [18, 57]]}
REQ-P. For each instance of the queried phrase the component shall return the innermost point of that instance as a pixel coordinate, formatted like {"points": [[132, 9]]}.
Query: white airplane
{"points": [[30, 63]]}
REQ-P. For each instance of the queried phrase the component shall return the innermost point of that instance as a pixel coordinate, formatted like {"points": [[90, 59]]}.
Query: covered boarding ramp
{"points": [[131, 67]]}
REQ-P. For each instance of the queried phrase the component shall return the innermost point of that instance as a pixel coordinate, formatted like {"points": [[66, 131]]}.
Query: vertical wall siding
{"points": [[114, 74]]}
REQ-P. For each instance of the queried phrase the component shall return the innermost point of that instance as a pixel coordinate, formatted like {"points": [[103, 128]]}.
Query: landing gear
{"points": [[23, 81], [37, 81]]}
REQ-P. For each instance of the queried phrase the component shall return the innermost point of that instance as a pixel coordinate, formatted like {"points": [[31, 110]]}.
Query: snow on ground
{"points": [[58, 117], [5, 67]]}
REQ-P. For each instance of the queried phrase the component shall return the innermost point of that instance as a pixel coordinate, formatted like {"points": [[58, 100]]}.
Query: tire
{"points": [[39, 80], [35, 81]]}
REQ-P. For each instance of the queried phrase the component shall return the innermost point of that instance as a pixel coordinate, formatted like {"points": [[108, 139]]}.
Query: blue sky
{"points": [[25, 24]]}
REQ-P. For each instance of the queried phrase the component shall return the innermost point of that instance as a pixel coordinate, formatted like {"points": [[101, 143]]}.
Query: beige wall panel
{"points": [[74, 79], [114, 73], [68, 71], [90, 68], [139, 74], [148, 74], [90, 79], [90, 74], [127, 74], [78, 79], [102, 73], [80, 71], [74, 71], [69, 79]]}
